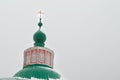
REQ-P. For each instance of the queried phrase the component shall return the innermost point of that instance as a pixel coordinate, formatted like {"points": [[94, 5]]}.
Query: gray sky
{"points": [[84, 34]]}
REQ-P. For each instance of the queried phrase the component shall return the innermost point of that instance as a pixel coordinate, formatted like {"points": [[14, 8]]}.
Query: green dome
{"points": [[39, 38], [37, 71]]}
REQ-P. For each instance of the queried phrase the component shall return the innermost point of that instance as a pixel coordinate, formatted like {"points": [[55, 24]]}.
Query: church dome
{"points": [[38, 60], [39, 38], [37, 71]]}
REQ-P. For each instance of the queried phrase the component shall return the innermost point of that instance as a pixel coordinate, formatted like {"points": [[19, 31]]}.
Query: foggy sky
{"points": [[84, 34]]}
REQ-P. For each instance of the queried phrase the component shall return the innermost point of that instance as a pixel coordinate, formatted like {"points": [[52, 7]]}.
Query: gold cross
{"points": [[41, 12]]}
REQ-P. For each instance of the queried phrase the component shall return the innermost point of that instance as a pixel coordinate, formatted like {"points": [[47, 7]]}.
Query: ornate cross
{"points": [[41, 12]]}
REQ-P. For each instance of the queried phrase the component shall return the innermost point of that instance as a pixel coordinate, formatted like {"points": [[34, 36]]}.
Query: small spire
{"points": [[39, 37], [40, 15]]}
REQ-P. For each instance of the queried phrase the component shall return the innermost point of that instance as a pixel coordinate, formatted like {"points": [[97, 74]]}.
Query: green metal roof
{"points": [[37, 71]]}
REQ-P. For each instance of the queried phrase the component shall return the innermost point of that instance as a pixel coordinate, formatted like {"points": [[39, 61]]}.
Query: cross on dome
{"points": [[39, 37], [40, 12]]}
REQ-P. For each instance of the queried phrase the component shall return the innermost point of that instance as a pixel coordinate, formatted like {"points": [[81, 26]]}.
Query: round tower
{"points": [[38, 60]]}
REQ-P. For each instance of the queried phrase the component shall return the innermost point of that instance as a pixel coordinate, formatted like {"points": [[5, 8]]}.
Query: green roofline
{"points": [[37, 71]]}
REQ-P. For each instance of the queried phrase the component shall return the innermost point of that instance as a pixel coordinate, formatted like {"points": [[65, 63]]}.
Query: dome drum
{"points": [[38, 55]]}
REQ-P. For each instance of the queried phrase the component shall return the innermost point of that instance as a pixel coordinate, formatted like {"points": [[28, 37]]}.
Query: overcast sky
{"points": [[84, 34]]}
